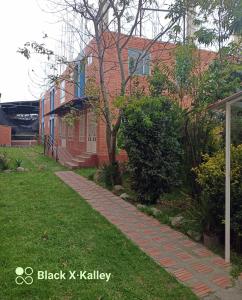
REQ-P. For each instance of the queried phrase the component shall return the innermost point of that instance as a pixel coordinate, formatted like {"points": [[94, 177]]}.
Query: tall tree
{"points": [[124, 17], [218, 20]]}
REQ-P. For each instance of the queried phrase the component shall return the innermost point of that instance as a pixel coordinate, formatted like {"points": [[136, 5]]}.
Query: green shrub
{"points": [[151, 130], [4, 161], [211, 178], [110, 175], [201, 135]]}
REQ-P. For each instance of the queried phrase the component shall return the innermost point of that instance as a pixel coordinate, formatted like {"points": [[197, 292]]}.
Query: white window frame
{"points": [[143, 63], [89, 59], [62, 91]]}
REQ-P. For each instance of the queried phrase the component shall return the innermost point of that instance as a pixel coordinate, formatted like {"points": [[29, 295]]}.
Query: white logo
{"points": [[24, 275]]}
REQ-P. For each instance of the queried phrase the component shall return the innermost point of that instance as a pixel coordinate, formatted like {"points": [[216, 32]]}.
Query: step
{"points": [[71, 165], [23, 142], [83, 156], [64, 155], [77, 160]]}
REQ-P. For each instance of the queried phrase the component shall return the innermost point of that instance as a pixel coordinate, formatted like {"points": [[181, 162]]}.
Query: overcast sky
{"points": [[20, 21]]}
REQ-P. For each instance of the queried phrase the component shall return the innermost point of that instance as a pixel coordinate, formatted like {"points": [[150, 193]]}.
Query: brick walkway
{"points": [[191, 263]]}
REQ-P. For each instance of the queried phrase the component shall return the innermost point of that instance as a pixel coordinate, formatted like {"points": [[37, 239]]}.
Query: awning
{"points": [[20, 107], [4, 119], [221, 103], [76, 103]]}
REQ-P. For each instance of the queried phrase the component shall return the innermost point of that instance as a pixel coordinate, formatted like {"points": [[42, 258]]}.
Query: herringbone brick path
{"points": [[191, 263]]}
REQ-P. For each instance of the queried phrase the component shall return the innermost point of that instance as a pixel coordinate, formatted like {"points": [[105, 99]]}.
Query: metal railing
{"points": [[50, 147]]}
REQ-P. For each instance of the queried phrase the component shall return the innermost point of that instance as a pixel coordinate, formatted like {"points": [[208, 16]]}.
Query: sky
{"points": [[21, 21]]}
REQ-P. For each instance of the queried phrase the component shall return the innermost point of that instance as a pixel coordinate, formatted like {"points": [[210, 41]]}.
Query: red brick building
{"points": [[5, 135], [19, 123], [84, 144]]}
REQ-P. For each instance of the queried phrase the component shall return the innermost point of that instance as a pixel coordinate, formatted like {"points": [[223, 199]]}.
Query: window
{"points": [[89, 59], [42, 131], [82, 128], [52, 116], [62, 91], [75, 78], [52, 99], [143, 65], [79, 78], [52, 127], [42, 107]]}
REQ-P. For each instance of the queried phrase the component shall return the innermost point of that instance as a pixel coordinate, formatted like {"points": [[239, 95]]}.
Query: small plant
{"points": [[90, 177], [4, 161], [18, 162], [110, 175], [157, 214], [200, 218]]}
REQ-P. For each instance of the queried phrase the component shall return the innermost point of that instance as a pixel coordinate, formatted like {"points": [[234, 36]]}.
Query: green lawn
{"points": [[48, 226], [86, 172]]}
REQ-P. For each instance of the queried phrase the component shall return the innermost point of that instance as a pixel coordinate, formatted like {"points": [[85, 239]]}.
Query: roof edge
{"points": [[228, 99]]}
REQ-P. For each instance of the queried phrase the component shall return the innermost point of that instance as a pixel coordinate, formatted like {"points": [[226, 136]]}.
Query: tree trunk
{"points": [[111, 139], [111, 145]]}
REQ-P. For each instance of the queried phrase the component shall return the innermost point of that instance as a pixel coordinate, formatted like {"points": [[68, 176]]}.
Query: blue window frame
{"points": [[42, 107], [76, 72], [52, 99], [42, 118], [42, 131], [138, 65], [79, 78], [52, 127], [52, 116]]}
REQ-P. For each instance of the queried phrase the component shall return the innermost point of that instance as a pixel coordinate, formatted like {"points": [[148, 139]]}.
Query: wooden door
{"points": [[91, 133]]}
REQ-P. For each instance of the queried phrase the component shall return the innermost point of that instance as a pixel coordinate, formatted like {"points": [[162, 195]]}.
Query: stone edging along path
{"points": [[191, 263]]}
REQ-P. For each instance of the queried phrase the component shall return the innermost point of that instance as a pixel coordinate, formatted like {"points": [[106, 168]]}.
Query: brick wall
{"points": [[5, 135], [159, 52]]}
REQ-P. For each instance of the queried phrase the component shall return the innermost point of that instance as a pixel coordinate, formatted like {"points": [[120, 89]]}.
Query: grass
{"points": [[87, 172], [48, 226]]}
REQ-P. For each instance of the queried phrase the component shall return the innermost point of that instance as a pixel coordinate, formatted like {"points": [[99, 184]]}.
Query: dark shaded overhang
{"points": [[76, 103], [20, 107], [4, 119]]}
